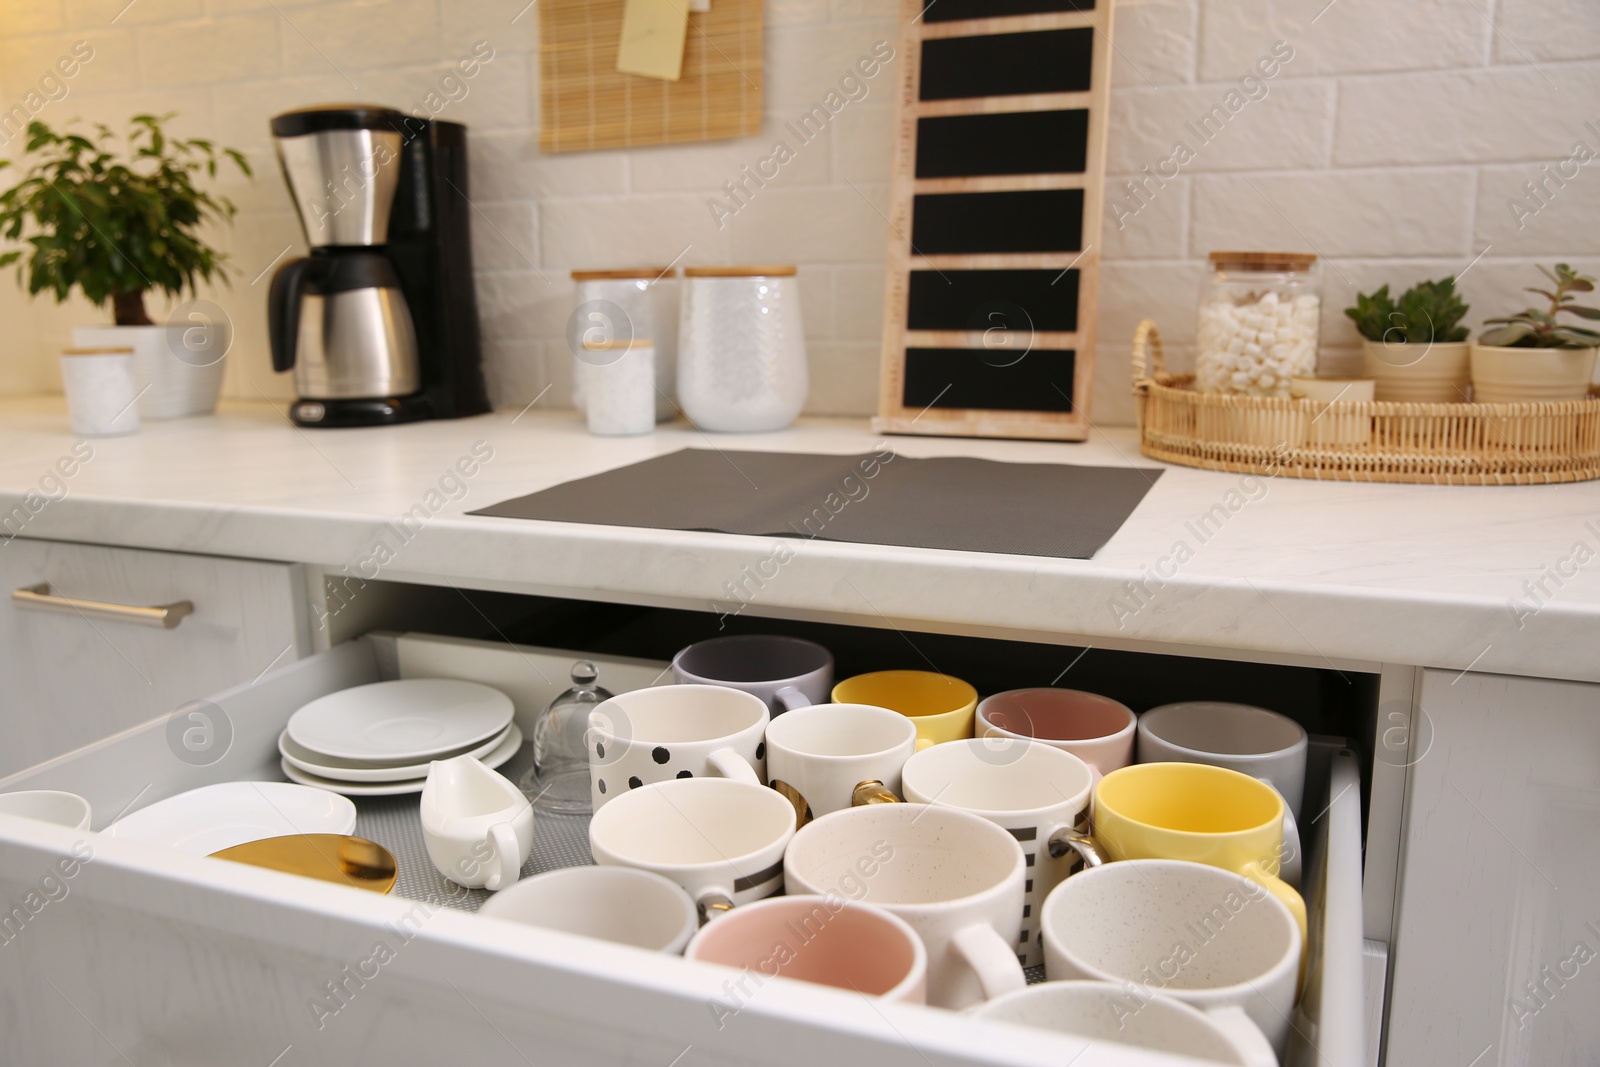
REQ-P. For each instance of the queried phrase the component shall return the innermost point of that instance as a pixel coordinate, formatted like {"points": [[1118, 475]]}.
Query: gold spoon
{"points": [[353, 861]]}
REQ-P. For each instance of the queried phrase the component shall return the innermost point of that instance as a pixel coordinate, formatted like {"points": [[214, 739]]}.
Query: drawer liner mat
{"points": [[951, 502], [558, 841]]}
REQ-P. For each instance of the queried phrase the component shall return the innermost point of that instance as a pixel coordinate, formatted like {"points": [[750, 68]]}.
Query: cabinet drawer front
{"points": [[96, 639], [263, 961]]}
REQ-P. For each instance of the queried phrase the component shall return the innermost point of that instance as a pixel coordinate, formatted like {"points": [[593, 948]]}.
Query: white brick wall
{"points": [[1390, 143]]}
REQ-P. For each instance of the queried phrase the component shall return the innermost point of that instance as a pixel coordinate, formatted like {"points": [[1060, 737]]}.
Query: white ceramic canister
{"points": [[621, 305], [619, 386], [102, 387], [741, 348]]}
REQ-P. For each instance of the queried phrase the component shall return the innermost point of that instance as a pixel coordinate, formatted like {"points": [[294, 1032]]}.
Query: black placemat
{"points": [[976, 505]]}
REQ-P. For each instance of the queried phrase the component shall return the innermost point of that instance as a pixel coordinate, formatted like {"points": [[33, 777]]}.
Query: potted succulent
{"points": [[1534, 355], [117, 225], [1415, 348]]}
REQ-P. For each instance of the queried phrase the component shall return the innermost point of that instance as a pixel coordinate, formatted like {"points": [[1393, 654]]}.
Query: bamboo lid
{"points": [[608, 346], [622, 274], [97, 351], [768, 271], [1273, 261]]}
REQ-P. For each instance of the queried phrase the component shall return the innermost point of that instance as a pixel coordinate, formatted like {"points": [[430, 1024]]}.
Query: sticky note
{"points": [[653, 32]]}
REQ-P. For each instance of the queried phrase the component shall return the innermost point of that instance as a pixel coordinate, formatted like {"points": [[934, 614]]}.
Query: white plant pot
{"points": [[180, 367], [1520, 375], [1420, 373]]}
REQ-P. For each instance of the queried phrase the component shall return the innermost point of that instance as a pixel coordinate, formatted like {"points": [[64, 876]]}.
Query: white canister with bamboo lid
{"points": [[102, 387]]}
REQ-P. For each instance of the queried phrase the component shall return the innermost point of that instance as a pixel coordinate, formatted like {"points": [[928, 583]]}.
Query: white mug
{"points": [[1036, 793], [955, 878], [48, 805], [477, 825], [1254, 741], [1200, 934], [621, 904], [674, 731], [786, 672], [721, 840], [1101, 1011], [832, 756]]}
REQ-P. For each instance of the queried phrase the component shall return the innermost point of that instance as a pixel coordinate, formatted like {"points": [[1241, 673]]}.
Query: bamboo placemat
{"points": [[586, 103]]}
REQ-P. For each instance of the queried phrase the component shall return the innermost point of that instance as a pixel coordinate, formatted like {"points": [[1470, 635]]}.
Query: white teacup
{"points": [[1036, 793], [1254, 741], [1200, 934], [621, 904], [48, 805], [1102, 1012], [954, 877], [832, 756], [674, 731], [721, 840], [477, 825]]}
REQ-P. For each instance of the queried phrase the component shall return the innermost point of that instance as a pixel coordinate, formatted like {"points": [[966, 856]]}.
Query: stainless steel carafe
{"points": [[339, 317]]}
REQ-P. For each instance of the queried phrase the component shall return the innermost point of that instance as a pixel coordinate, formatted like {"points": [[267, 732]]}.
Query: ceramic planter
{"points": [[181, 365], [1436, 373], [1520, 375]]}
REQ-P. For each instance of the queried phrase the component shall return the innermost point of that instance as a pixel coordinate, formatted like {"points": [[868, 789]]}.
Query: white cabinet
{"points": [[82, 656], [188, 961], [1497, 947]]}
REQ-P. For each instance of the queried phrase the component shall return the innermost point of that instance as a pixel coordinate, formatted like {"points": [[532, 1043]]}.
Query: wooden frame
{"points": [[894, 415]]}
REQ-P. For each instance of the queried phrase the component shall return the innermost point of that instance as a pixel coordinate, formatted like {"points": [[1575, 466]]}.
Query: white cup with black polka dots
{"points": [[1037, 793], [675, 731]]}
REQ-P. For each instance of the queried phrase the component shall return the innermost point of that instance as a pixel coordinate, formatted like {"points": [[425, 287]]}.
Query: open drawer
{"points": [[148, 956]]}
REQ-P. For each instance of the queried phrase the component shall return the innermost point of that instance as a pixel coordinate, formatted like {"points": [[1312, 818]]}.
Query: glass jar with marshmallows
{"points": [[1259, 315]]}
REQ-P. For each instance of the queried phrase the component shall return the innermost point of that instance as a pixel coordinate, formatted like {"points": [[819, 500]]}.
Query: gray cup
{"points": [[786, 672]]}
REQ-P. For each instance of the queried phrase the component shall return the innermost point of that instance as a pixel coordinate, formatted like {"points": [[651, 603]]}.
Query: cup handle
{"points": [[712, 902], [507, 852], [993, 961], [872, 791], [1067, 839], [789, 698], [726, 763], [1244, 1035], [1258, 874], [1289, 861]]}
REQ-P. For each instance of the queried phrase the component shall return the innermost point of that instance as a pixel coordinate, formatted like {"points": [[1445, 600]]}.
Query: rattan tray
{"points": [[1376, 441]]}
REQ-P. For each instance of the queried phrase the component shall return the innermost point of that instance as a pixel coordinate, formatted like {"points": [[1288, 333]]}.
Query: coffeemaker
{"points": [[380, 322]]}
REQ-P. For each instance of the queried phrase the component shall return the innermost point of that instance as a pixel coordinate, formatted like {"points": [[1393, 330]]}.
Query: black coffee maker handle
{"points": [[283, 310]]}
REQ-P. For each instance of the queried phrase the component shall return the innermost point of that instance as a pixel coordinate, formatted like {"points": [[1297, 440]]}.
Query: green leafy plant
{"points": [[1535, 328], [115, 225], [1425, 313]]}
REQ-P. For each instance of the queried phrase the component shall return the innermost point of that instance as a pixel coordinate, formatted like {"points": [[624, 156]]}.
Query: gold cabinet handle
{"points": [[40, 598]]}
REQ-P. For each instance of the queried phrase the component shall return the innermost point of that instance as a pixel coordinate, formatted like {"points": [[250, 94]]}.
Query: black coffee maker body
{"points": [[380, 323]]}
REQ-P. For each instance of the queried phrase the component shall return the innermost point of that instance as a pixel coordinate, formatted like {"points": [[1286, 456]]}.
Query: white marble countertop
{"points": [[1324, 572]]}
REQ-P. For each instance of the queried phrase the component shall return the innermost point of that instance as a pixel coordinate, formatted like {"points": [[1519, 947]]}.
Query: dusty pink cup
{"points": [[823, 939], [1098, 730]]}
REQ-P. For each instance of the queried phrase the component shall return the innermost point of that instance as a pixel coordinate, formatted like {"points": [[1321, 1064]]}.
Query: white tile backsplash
{"points": [[1390, 142]]}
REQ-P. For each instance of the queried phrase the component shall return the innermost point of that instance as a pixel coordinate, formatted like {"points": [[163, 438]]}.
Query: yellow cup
{"points": [[941, 706], [1191, 811]]}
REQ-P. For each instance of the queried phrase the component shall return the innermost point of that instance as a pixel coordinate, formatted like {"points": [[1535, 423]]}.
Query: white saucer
{"points": [[409, 721], [359, 771], [215, 817], [502, 753]]}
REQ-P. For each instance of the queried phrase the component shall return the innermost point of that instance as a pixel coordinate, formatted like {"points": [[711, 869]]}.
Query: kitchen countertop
{"points": [[1328, 573]]}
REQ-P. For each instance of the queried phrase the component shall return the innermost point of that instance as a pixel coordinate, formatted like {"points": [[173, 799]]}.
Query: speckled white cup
{"points": [[1203, 935]]}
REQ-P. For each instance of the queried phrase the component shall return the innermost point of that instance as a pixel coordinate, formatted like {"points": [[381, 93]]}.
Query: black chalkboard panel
{"points": [[1029, 220], [956, 10], [1013, 142], [993, 380], [1007, 64], [985, 299]]}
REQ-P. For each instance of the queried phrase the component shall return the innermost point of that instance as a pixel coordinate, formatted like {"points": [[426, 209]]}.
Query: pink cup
{"points": [[823, 939], [1098, 730]]}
